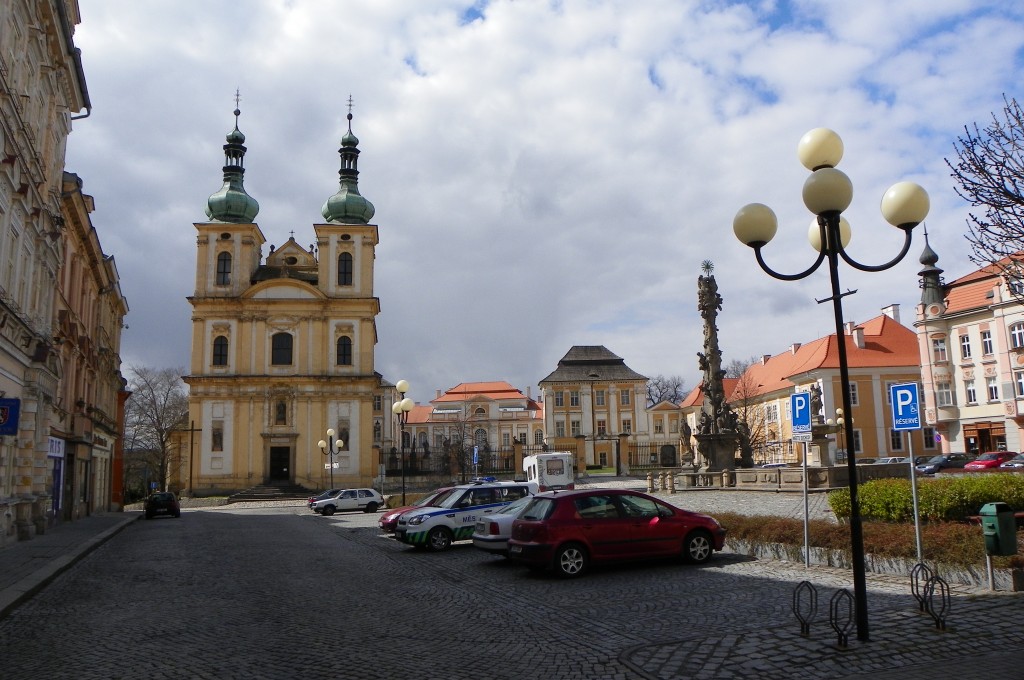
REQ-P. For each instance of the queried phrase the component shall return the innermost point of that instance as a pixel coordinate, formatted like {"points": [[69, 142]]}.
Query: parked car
{"points": [[325, 494], [990, 460], [367, 500], [943, 461], [162, 503], [389, 520], [773, 465], [1015, 462], [493, 531], [893, 459], [455, 517], [568, 530], [864, 461]]}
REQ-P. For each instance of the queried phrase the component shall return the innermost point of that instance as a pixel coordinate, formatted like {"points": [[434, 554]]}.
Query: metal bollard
{"points": [[650, 482]]}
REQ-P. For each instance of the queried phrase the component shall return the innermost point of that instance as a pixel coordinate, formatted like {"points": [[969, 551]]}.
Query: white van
{"points": [[551, 471]]}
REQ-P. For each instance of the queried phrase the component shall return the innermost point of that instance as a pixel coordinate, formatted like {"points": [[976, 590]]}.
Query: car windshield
{"points": [[515, 507], [937, 459], [988, 456], [433, 500]]}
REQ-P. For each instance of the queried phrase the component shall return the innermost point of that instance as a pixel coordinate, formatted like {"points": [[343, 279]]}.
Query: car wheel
{"points": [[328, 510], [571, 560], [178, 514], [439, 539], [371, 507], [697, 547]]}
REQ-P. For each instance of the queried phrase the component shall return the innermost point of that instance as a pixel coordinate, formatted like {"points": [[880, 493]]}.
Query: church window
{"points": [[220, 351], [344, 351], [345, 269], [281, 349], [224, 269]]}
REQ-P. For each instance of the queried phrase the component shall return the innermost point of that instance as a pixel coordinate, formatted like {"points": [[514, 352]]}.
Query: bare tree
{"points": [[661, 388], [158, 405], [989, 173], [737, 367]]}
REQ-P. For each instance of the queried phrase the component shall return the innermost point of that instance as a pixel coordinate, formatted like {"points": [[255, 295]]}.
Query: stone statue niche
{"points": [[719, 431]]}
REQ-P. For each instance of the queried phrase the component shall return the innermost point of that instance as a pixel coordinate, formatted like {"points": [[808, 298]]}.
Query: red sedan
{"points": [[568, 530], [992, 459], [389, 520]]}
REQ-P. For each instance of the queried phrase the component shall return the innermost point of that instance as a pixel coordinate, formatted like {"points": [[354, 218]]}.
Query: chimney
{"points": [[528, 390], [794, 347], [858, 337], [848, 328], [765, 358], [892, 311], [437, 394]]}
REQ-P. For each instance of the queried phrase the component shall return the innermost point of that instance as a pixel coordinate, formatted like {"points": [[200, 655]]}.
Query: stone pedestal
{"points": [[718, 451], [818, 448]]}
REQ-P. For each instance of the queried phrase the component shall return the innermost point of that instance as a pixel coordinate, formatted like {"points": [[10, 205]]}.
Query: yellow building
{"points": [[283, 349]]}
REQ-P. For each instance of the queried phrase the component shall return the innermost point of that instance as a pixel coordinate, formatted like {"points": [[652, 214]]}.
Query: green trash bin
{"points": [[999, 528]]}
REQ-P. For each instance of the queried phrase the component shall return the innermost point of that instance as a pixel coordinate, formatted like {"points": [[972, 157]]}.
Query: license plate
{"points": [[515, 549]]}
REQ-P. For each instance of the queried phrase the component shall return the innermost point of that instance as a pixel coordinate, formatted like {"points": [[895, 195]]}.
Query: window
{"points": [[538, 436], [281, 349], [574, 428], [939, 347], [986, 343], [599, 397], [378, 402], [217, 436], [345, 269], [895, 440], [992, 386], [928, 433], [602, 426], [943, 394], [559, 399], [627, 426], [220, 351], [965, 346], [559, 428], [574, 398], [856, 442], [854, 394], [344, 351], [659, 427], [970, 393], [506, 439], [224, 269], [624, 397], [771, 412], [1018, 377], [1017, 335]]}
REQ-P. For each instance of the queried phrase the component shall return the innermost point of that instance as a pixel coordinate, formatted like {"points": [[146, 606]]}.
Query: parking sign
{"points": [[906, 412], [800, 407]]}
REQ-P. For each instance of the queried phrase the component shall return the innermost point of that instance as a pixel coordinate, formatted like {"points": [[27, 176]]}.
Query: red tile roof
{"points": [[490, 390]]}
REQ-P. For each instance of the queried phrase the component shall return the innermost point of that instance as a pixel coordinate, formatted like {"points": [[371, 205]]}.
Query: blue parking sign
{"points": [[906, 411], [800, 407]]}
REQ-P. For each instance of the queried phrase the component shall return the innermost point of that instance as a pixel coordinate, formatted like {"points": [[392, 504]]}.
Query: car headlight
{"points": [[418, 519]]}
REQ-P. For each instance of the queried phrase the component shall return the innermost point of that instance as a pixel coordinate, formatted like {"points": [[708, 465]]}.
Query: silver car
{"points": [[493, 531]]}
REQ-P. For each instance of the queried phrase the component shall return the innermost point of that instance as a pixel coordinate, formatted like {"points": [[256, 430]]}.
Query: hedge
{"points": [[950, 499]]}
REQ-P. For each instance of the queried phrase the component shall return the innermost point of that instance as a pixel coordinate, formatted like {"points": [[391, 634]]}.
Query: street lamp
{"points": [[401, 409], [827, 193], [330, 448]]}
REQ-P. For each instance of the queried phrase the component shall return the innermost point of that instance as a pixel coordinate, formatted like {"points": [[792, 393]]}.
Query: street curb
{"points": [[13, 596]]}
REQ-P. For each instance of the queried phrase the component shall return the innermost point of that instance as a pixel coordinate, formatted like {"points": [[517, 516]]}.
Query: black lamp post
{"points": [[330, 448], [401, 409], [827, 193]]}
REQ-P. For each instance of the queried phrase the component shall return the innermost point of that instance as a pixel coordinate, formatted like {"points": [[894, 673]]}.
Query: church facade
{"points": [[283, 348]]}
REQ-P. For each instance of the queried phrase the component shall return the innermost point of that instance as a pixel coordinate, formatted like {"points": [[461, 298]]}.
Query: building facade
{"points": [[971, 340], [880, 352], [44, 456], [283, 348], [594, 404]]}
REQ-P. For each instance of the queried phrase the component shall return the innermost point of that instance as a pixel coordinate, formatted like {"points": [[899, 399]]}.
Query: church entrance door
{"points": [[280, 456]]}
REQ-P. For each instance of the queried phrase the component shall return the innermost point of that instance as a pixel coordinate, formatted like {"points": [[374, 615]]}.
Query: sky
{"points": [[546, 173]]}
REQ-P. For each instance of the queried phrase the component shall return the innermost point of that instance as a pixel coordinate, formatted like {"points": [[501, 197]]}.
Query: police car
{"points": [[455, 517]]}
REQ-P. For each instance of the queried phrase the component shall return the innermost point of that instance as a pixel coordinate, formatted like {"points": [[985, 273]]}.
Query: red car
{"points": [[568, 530], [389, 520], [987, 461]]}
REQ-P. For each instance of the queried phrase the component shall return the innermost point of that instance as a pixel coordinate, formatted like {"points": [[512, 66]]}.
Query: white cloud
{"points": [[545, 173]]}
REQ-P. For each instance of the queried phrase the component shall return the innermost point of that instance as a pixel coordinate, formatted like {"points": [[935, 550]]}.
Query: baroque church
{"points": [[283, 349]]}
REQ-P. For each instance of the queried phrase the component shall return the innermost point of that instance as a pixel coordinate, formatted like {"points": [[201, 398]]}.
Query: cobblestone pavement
{"points": [[277, 592]]}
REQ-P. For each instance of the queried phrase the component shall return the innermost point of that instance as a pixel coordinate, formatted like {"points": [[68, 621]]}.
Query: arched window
{"points": [[1017, 335], [281, 349], [345, 269], [480, 437], [220, 351], [344, 353], [224, 269]]}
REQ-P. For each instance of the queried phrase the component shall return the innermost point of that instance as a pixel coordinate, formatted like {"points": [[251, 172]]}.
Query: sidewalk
{"points": [[27, 566]]}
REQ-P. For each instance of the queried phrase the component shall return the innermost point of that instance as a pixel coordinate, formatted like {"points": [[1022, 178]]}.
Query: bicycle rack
{"points": [[919, 577], [842, 628], [938, 615], [805, 614]]}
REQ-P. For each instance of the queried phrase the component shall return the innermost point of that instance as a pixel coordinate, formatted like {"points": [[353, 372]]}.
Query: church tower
{"points": [[283, 349]]}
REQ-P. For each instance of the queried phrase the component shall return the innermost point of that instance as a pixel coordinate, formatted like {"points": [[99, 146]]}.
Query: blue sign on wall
{"points": [[10, 409], [906, 411]]}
